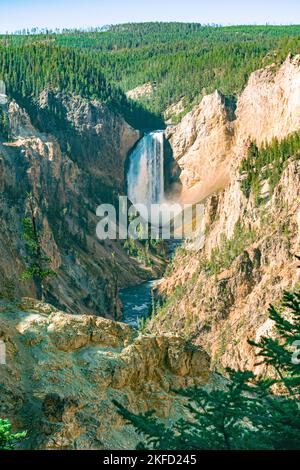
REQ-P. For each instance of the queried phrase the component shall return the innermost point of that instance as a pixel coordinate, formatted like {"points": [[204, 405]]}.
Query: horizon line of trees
{"points": [[182, 59]]}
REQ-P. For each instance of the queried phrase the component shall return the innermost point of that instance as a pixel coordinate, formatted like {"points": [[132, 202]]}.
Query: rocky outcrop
{"points": [[174, 111], [63, 371], [270, 104], [140, 91], [210, 141], [97, 139], [70, 154], [201, 145]]}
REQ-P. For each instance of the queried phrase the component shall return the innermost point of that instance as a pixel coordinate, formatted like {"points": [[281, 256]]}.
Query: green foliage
{"points": [[130, 246], [223, 412], [187, 60], [143, 322], [267, 163], [222, 257], [144, 246], [179, 59], [28, 70], [8, 289], [279, 353], [4, 125], [8, 440], [244, 413], [37, 262], [139, 249]]}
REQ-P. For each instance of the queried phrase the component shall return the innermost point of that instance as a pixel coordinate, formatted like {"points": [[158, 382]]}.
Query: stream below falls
{"points": [[136, 302], [145, 185]]}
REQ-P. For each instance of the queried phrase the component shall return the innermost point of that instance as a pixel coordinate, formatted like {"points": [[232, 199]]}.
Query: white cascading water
{"points": [[3, 97], [145, 177]]}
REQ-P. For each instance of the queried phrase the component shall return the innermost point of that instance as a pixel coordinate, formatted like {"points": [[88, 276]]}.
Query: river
{"points": [[136, 302], [145, 185]]}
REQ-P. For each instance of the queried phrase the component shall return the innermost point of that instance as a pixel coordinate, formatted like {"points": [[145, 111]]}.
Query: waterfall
{"points": [[3, 97], [145, 177]]}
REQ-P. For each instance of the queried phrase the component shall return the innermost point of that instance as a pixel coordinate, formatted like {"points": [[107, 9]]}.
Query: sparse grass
{"points": [[267, 163], [222, 257]]}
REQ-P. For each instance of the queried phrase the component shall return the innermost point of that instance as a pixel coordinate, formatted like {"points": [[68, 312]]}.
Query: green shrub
{"points": [[267, 163], [222, 257], [8, 440]]}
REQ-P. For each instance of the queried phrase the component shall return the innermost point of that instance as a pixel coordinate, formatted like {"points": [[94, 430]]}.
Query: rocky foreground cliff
{"points": [[63, 371], [218, 295]]}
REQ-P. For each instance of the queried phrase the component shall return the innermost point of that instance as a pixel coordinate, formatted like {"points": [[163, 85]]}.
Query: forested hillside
{"points": [[180, 60], [29, 69]]}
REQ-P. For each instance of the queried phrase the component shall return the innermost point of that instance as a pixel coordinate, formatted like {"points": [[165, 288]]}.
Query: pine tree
{"points": [[114, 285], [8, 440], [37, 262], [279, 352], [245, 413], [4, 125]]}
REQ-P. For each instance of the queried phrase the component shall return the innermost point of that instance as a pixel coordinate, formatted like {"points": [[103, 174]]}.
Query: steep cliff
{"points": [[270, 104], [63, 371], [201, 145], [70, 153], [218, 295]]}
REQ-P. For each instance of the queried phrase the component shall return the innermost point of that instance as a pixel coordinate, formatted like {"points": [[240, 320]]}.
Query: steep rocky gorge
{"points": [[70, 154], [62, 370], [218, 295], [65, 365]]}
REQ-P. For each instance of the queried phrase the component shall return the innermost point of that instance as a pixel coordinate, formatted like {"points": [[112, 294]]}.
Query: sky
{"points": [[19, 14]]}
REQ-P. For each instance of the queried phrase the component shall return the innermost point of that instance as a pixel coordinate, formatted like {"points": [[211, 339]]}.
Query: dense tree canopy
{"points": [[179, 59], [268, 163]]}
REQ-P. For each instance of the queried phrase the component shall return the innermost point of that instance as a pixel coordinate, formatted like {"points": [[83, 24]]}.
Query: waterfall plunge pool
{"points": [[145, 185]]}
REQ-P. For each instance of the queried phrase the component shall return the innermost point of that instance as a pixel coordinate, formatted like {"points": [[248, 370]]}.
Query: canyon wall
{"points": [[70, 154], [212, 138], [201, 145], [219, 295]]}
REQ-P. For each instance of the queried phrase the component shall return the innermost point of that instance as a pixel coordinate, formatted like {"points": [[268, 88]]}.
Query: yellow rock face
{"points": [[222, 311], [210, 141], [63, 371]]}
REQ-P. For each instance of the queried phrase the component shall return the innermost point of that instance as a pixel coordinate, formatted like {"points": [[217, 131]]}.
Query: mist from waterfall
{"points": [[145, 177]]}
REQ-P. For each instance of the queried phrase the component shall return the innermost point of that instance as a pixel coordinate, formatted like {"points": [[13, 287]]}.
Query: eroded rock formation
{"points": [[63, 371], [210, 141], [70, 153], [219, 294], [201, 145]]}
